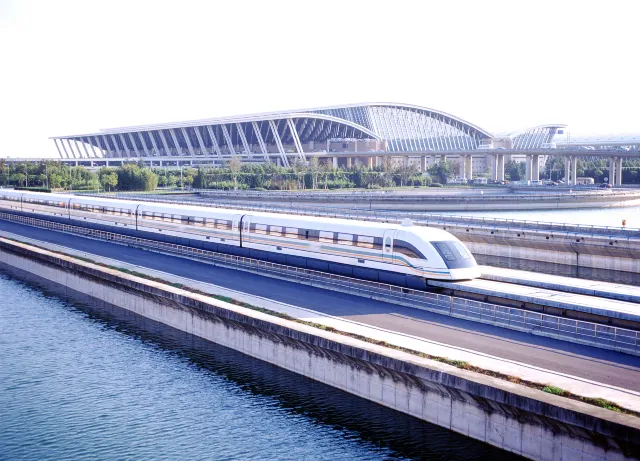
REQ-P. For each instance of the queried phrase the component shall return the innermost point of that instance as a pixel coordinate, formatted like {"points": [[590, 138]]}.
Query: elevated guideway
{"points": [[555, 302], [607, 290]]}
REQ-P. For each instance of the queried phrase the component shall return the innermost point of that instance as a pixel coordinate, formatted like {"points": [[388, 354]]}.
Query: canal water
{"points": [[587, 216], [80, 381]]}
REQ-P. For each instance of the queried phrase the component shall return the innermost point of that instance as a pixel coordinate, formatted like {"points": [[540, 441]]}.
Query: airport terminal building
{"points": [[339, 134]]}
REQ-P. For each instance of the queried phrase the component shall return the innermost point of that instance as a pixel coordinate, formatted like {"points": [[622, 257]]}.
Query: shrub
{"points": [[435, 184]]}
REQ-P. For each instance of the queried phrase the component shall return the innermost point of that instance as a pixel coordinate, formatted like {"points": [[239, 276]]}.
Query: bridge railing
{"points": [[577, 331]]}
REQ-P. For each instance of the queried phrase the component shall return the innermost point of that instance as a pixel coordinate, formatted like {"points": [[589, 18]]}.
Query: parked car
{"points": [[605, 185]]}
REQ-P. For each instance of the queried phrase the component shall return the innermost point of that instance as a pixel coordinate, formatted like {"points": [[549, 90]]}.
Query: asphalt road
{"points": [[603, 366]]}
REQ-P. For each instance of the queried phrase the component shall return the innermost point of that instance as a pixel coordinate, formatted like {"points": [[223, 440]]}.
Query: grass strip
{"points": [[599, 402]]}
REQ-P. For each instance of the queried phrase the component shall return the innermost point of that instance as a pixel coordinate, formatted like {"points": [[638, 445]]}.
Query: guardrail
{"points": [[577, 331], [393, 216]]}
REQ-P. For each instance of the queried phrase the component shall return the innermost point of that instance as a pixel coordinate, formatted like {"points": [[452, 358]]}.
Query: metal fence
{"points": [[393, 216], [589, 333]]}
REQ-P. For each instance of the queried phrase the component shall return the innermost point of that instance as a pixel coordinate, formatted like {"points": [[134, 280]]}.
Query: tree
{"points": [[235, 166], [109, 180], [515, 171], [314, 168], [441, 170]]}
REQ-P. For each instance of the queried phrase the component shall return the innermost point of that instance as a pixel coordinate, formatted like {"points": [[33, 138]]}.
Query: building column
{"points": [[574, 169], [535, 171], [619, 172], [567, 168]]}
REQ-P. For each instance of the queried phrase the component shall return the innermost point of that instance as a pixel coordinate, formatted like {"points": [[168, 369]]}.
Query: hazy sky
{"points": [[71, 67]]}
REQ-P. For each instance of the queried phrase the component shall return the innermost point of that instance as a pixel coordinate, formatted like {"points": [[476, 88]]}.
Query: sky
{"points": [[73, 67]]}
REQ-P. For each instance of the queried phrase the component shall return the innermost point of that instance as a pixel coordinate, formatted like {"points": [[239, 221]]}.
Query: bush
{"points": [[34, 189], [435, 184]]}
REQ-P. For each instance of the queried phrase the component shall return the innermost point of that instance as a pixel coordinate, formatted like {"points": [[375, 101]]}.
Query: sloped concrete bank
{"points": [[513, 417]]}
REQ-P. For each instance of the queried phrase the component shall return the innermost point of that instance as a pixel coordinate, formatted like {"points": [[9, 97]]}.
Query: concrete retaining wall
{"points": [[512, 417]]}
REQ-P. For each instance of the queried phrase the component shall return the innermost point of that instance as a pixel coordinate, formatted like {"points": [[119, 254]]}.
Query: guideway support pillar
{"points": [[528, 163], [574, 170], [567, 167]]}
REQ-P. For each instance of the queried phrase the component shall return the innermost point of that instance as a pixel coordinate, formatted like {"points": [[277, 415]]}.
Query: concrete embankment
{"points": [[508, 415]]}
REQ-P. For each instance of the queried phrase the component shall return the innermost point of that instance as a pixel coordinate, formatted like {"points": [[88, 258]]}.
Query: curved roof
{"points": [[427, 111], [221, 121], [515, 133]]}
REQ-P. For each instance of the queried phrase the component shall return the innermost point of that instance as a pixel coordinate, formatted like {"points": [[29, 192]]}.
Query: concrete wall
{"points": [[512, 417]]}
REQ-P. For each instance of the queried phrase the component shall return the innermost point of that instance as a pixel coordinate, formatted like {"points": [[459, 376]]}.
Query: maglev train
{"points": [[399, 254]]}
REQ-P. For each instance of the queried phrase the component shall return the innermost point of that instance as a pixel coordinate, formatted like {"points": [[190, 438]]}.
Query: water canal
{"points": [[82, 381]]}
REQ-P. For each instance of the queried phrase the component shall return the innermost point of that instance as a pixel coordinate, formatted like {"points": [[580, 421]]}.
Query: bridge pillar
{"points": [[619, 172], [349, 160], [423, 164], [574, 170], [379, 161], [528, 163], [567, 168], [535, 171], [469, 167], [335, 163], [500, 172], [612, 170], [493, 162], [405, 162]]}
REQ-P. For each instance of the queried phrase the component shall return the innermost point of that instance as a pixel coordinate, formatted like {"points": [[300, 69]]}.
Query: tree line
{"points": [[58, 176]]}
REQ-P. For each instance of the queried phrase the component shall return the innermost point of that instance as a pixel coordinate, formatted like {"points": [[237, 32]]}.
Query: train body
{"points": [[401, 254]]}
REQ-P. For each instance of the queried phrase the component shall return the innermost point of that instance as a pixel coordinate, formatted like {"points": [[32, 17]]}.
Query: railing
{"points": [[392, 216], [589, 333]]}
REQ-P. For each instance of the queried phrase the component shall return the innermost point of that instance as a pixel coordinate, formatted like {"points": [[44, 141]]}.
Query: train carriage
{"points": [[401, 254]]}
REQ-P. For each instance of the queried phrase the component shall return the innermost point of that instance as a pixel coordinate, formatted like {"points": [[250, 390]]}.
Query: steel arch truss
{"points": [[534, 138], [408, 128]]}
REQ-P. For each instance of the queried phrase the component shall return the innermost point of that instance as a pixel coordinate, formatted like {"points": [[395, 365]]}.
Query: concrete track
{"points": [[606, 367]]}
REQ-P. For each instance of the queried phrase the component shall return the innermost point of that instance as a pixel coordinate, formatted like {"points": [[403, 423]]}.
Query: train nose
{"points": [[465, 274]]}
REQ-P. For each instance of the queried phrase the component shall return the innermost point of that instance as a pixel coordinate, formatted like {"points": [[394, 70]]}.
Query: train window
{"points": [[326, 237], [259, 228], [291, 232], [345, 239], [275, 230], [223, 224], [407, 249], [187, 220], [365, 242], [445, 251], [462, 251], [199, 222]]}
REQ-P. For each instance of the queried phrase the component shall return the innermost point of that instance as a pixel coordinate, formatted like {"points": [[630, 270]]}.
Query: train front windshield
{"points": [[455, 254]]}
